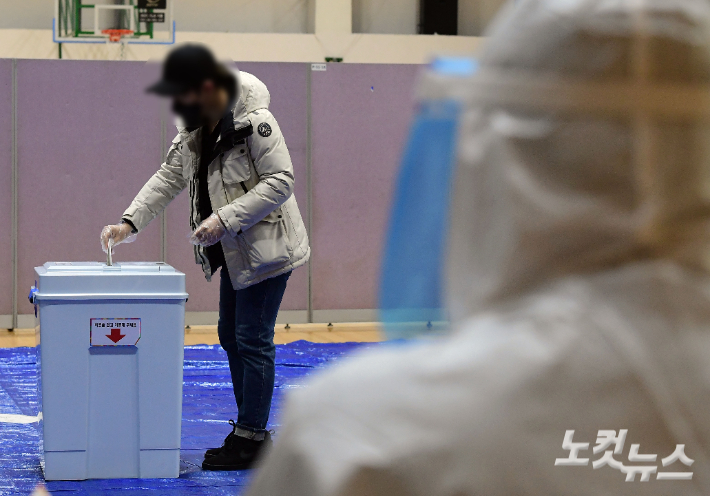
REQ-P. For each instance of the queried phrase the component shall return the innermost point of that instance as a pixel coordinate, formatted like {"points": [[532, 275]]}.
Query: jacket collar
{"points": [[229, 135]]}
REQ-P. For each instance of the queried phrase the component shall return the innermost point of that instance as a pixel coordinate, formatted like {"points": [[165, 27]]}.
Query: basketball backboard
{"points": [[127, 21]]}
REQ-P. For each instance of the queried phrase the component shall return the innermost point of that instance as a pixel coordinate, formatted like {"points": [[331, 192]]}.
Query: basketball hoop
{"points": [[115, 35]]}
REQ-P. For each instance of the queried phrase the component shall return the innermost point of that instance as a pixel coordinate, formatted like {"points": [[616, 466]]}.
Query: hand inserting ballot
{"points": [[209, 232], [116, 235]]}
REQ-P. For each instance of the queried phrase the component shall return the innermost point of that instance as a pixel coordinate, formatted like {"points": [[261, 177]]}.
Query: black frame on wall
{"points": [[438, 17]]}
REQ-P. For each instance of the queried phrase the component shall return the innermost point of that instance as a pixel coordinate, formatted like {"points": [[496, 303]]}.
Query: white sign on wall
{"points": [[115, 332]]}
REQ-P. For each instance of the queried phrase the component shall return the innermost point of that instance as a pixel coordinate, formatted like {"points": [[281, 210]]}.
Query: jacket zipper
{"points": [[200, 251]]}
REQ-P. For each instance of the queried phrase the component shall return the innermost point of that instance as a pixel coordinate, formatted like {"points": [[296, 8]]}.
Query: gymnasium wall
{"points": [[271, 16], [87, 137]]}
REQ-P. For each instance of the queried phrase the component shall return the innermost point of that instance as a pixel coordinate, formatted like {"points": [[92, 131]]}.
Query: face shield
{"points": [[412, 280], [579, 145]]}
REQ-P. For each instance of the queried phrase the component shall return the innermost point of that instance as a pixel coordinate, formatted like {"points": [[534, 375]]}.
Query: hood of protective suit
{"points": [[586, 145]]}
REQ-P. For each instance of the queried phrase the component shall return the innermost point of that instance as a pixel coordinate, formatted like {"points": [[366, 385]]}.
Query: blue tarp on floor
{"points": [[208, 402]]}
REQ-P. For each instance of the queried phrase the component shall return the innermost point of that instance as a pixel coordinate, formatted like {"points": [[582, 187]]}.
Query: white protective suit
{"points": [[578, 280]]}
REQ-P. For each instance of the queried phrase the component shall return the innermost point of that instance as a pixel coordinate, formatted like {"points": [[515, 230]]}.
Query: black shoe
{"points": [[238, 453], [217, 451]]}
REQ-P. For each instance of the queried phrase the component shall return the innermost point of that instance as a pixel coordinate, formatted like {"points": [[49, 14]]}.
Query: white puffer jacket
{"points": [[250, 186]]}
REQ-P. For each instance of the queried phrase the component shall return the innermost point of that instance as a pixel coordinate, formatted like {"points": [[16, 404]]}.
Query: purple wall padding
{"points": [[287, 85], [88, 139], [360, 119], [6, 186]]}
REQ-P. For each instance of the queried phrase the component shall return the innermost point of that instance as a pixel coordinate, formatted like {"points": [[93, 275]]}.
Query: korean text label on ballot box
{"points": [[110, 356]]}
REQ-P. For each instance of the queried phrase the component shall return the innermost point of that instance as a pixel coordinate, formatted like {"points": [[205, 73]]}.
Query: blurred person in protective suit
{"points": [[577, 285], [231, 154]]}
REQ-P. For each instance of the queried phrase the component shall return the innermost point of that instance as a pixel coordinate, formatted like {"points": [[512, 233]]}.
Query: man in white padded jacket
{"points": [[233, 157], [578, 283]]}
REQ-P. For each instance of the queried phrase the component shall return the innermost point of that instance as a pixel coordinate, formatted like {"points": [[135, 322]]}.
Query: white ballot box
{"points": [[110, 359]]}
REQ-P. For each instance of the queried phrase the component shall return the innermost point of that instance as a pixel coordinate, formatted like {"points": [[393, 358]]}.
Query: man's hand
{"points": [[115, 235], [209, 232]]}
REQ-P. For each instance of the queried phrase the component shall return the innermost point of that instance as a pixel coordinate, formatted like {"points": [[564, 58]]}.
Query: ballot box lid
{"points": [[96, 280]]}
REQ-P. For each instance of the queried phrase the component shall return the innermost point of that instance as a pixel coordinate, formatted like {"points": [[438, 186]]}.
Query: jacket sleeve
{"points": [[158, 192], [275, 170]]}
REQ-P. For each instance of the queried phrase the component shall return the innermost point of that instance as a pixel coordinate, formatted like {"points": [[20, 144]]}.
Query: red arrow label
{"points": [[115, 335]]}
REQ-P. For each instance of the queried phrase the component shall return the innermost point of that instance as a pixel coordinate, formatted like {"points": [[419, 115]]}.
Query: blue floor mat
{"points": [[208, 402]]}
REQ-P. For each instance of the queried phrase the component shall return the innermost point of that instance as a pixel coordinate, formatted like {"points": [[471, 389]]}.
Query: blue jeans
{"points": [[246, 332]]}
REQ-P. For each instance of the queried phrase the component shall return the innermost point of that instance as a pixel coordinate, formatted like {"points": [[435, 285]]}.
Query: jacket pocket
{"points": [[235, 166], [236, 172], [266, 244]]}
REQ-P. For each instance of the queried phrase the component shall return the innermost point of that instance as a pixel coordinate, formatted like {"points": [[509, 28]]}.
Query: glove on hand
{"points": [[209, 232], [116, 234]]}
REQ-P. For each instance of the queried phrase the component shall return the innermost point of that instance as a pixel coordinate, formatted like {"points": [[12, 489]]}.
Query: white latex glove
{"points": [[115, 235], [209, 232]]}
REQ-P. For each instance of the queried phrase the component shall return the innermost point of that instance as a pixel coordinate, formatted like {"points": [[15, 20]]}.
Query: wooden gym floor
{"points": [[317, 333]]}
